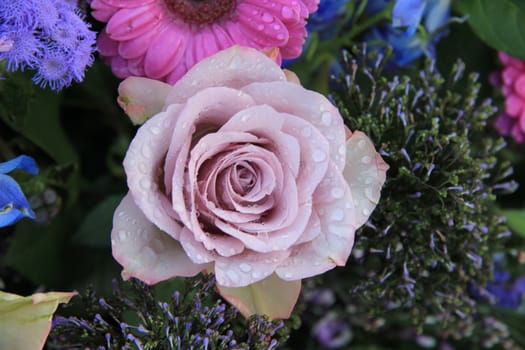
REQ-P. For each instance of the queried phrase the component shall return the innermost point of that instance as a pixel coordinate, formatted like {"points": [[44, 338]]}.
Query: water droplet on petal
{"points": [[361, 144], [267, 18], [287, 12], [338, 192], [256, 274], [366, 212], [366, 160], [368, 180], [245, 267], [326, 118], [155, 130], [280, 36], [307, 131], [260, 27], [122, 235], [145, 184], [233, 276], [146, 151], [318, 155], [342, 150], [338, 214], [288, 275]]}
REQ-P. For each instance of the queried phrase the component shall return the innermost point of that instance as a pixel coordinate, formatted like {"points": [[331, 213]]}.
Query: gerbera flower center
{"points": [[201, 11]]}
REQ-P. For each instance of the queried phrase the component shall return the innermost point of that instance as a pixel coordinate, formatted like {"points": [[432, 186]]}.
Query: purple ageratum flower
{"points": [[13, 203], [48, 36], [415, 28]]}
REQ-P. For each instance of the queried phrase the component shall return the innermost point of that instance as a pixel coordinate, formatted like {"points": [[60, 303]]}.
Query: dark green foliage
{"points": [[136, 318], [426, 254]]}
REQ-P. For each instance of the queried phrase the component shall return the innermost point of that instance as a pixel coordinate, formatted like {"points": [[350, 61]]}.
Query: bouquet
{"points": [[254, 174]]}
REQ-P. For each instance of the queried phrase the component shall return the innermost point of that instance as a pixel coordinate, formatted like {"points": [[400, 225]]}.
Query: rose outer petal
{"points": [[272, 296], [144, 251], [365, 173], [235, 68], [337, 224], [141, 98], [141, 164]]}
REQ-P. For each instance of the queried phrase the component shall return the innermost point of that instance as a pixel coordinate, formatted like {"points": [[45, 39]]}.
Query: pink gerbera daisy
{"points": [[162, 39]]}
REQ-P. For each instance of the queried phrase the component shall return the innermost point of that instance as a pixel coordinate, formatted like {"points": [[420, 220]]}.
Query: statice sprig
{"points": [[430, 240], [47, 36], [135, 318]]}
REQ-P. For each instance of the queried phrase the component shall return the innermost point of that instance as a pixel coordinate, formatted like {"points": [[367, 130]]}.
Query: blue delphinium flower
{"points": [[48, 36], [415, 29], [322, 21], [13, 203]]}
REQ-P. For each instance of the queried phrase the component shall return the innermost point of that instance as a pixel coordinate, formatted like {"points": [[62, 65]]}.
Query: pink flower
{"points": [[244, 174], [162, 39], [511, 79]]}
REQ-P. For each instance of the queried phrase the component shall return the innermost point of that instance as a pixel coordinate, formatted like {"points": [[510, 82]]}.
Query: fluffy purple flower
{"points": [[332, 332], [48, 36]]}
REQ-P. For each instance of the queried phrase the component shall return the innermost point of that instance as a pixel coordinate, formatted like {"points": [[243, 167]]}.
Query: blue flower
{"points": [[322, 21], [508, 294], [13, 203], [415, 29], [48, 36]]}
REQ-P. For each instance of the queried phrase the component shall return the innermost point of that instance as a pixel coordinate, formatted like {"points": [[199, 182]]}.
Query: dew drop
{"points": [[256, 274], [245, 267], [233, 276], [155, 130], [318, 155], [121, 214], [288, 275], [366, 160], [366, 211], [122, 235], [342, 150], [361, 144], [260, 27], [326, 118], [286, 12], [267, 18], [338, 215], [338, 192], [276, 27], [146, 151], [307, 131], [236, 61], [368, 180], [145, 184], [280, 36]]}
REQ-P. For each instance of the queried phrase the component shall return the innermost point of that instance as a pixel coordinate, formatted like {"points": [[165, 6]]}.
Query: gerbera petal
{"points": [[165, 51], [262, 27], [102, 11], [128, 23], [106, 46], [127, 3], [143, 250], [137, 46]]}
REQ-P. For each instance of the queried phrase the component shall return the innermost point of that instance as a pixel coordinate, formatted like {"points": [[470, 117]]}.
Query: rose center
{"points": [[201, 11]]}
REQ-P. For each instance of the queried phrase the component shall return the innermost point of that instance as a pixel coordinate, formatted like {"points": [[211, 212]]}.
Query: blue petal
{"points": [[19, 163], [13, 203], [437, 13], [408, 13]]}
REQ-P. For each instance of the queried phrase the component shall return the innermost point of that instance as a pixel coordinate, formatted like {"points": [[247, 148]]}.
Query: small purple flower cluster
{"points": [[48, 36]]}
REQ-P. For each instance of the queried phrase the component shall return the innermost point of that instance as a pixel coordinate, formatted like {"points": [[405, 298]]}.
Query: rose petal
{"points": [[142, 98], [143, 250], [309, 105], [272, 296], [234, 67], [334, 204], [141, 164], [365, 173], [247, 268]]}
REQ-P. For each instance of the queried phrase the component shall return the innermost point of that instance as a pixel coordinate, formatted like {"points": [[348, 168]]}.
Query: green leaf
{"points": [[95, 229], [515, 220], [498, 23]]}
